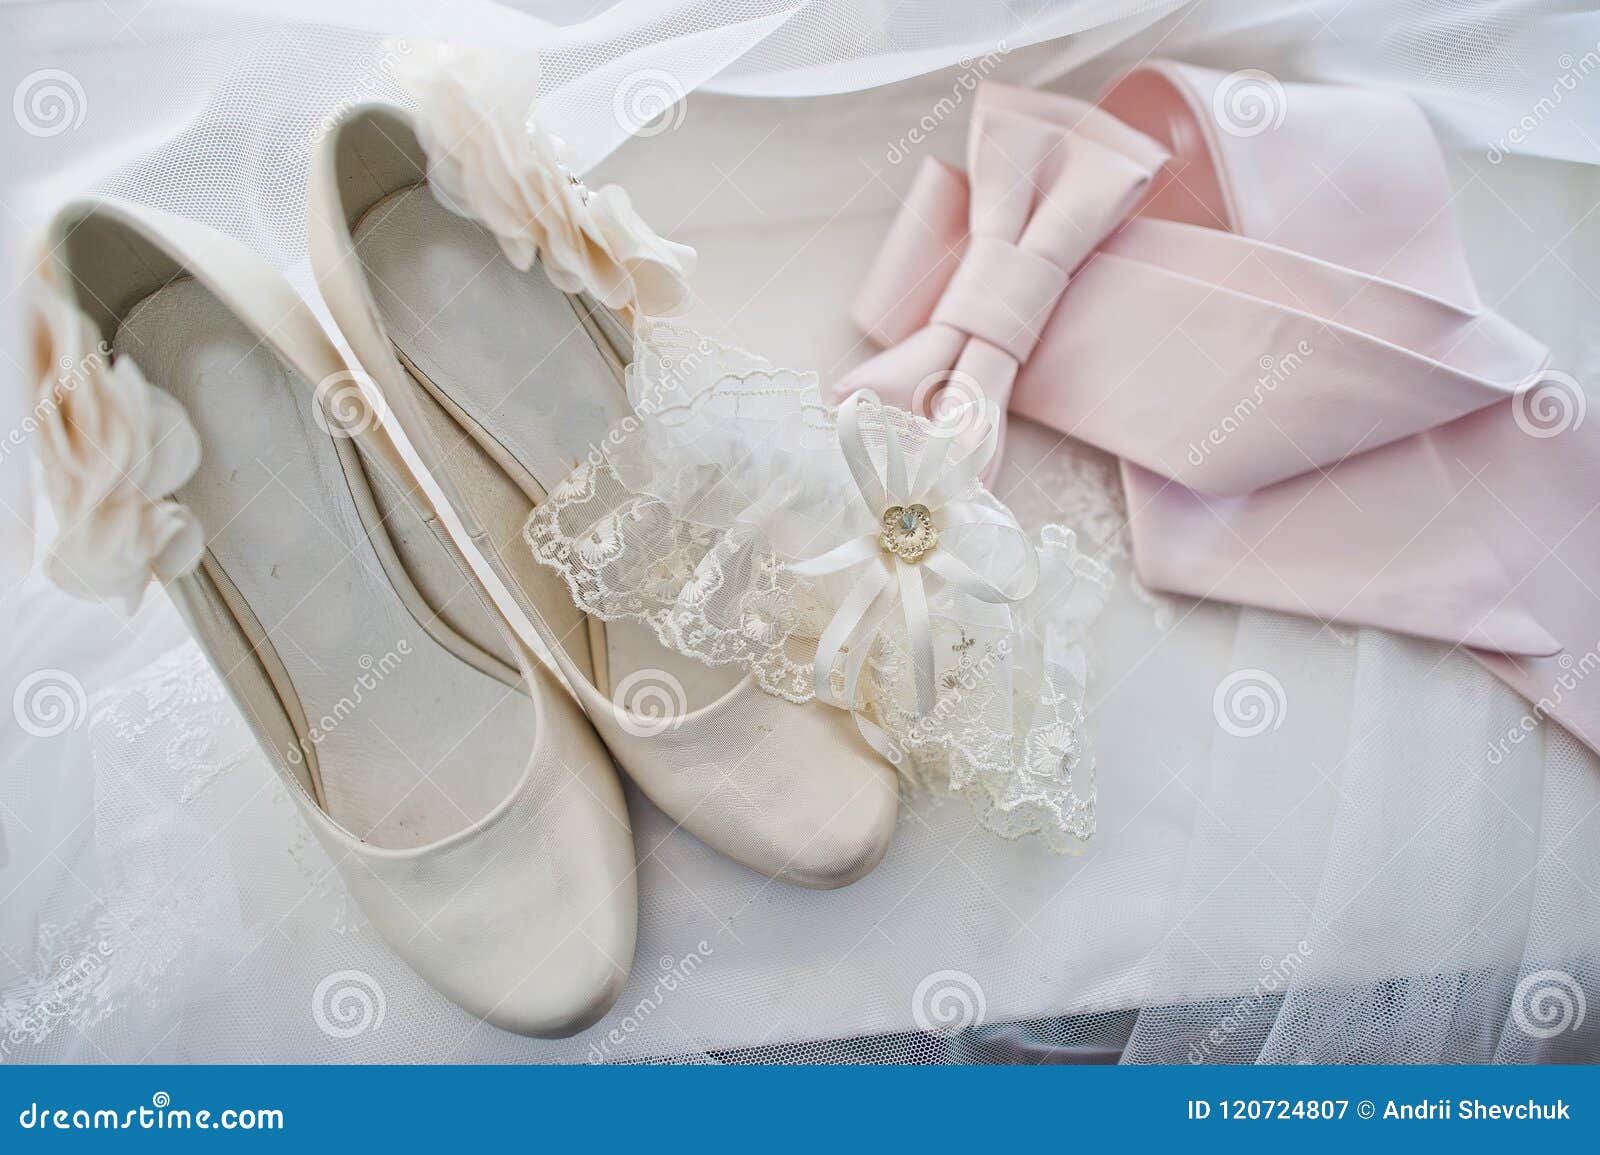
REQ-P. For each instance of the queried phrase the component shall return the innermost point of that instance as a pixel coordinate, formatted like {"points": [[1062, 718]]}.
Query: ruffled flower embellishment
{"points": [[937, 529], [489, 159], [112, 448], [846, 557]]}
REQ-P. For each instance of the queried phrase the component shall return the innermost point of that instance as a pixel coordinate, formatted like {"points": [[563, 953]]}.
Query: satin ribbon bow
{"points": [[1313, 408], [925, 498], [1050, 179]]}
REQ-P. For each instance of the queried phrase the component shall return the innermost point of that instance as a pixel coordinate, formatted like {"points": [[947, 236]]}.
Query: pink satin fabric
{"points": [[963, 288], [1314, 411]]}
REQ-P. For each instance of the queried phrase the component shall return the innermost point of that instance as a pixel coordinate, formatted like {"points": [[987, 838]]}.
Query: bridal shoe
{"points": [[493, 311], [202, 430]]}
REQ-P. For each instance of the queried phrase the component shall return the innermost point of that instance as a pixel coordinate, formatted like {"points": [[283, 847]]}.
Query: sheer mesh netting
{"points": [[691, 514], [1313, 843]]}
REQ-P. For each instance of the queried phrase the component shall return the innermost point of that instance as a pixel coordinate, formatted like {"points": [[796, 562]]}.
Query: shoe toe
{"points": [[846, 801], [568, 990], [534, 947], [792, 791], [527, 920]]}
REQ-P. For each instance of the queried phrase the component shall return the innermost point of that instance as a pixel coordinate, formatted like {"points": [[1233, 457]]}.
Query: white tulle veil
{"points": [[1304, 852]]}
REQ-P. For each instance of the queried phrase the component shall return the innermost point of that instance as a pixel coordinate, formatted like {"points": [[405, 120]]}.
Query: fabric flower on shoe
{"points": [[491, 160], [112, 448]]}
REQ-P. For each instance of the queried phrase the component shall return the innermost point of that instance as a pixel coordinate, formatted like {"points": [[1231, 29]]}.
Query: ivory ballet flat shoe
{"points": [[203, 430], [497, 330]]}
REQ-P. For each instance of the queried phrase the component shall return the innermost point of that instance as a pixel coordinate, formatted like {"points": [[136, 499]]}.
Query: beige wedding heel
{"points": [[466, 801], [503, 382]]}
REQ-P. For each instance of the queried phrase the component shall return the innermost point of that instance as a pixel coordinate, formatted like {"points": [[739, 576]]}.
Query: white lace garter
{"points": [[848, 555]]}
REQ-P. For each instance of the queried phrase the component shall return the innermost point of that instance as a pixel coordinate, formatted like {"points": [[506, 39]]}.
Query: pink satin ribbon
{"points": [[1314, 411], [964, 285]]}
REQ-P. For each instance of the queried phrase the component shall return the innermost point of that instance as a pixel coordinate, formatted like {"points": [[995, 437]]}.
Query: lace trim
{"points": [[685, 519]]}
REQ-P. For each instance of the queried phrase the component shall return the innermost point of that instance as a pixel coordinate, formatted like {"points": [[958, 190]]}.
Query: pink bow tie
{"points": [[962, 305], [1314, 411]]}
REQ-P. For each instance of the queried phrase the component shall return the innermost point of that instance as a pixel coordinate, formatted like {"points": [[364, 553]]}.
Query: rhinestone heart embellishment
{"points": [[908, 532]]}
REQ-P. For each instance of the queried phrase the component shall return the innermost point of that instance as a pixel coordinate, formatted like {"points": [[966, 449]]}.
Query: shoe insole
{"points": [[510, 350], [413, 744]]}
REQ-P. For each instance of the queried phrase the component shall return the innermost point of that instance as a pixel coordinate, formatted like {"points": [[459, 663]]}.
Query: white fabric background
{"points": [[1359, 882]]}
